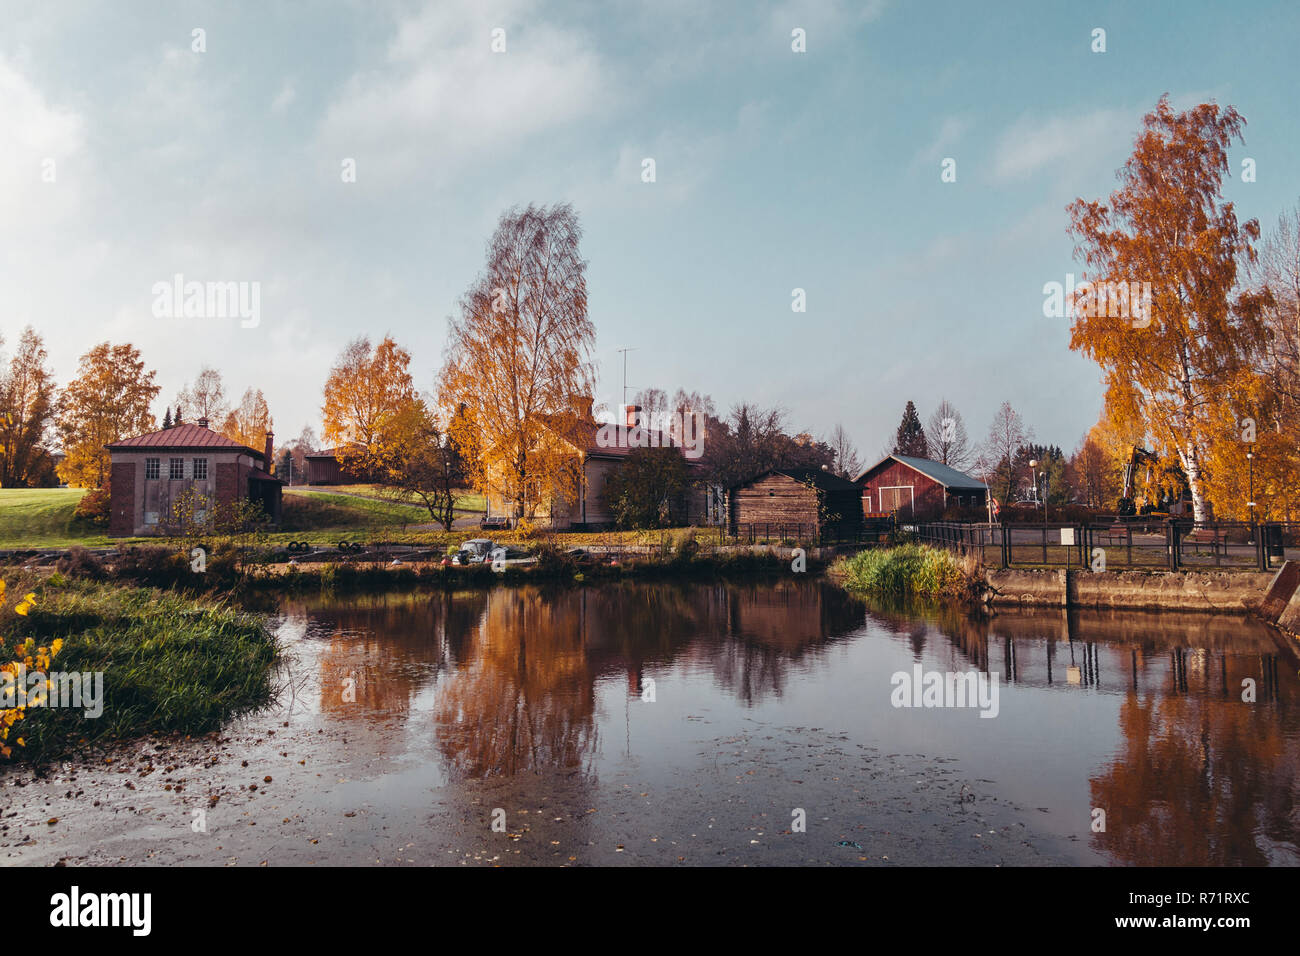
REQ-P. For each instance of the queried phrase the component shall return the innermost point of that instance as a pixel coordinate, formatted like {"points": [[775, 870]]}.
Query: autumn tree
{"points": [[1180, 359], [368, 393], [204, 398], [1091, 475], [28, 407], [424, 463], [1267, 413], [946, 438], [910, 438], [108, 401], [518, 359], [249, 421]]}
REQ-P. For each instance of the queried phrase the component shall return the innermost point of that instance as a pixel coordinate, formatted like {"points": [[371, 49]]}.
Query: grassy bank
{"points": [[170, 663], [43, 517], [909, 570]]}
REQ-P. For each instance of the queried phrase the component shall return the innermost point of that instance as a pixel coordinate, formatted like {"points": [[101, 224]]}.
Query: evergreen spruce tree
{"points": [[910, 439]]}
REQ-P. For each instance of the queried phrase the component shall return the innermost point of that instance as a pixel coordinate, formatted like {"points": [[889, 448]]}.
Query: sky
{"points": [[128, 156]]}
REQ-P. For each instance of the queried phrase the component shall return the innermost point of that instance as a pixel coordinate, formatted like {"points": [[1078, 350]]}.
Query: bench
{"points": [[1202, 536]]}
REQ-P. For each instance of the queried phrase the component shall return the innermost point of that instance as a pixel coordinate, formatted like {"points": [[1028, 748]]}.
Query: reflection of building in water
{"points": [[1200, 775], [518, 685], [382, 650]]}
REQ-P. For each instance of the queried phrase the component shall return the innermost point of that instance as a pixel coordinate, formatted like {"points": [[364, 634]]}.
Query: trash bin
{"points": [[1273, 544]]}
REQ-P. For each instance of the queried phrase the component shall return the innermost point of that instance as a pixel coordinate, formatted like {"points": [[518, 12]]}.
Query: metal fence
{"points": [[872, 532], [1172, 544]]}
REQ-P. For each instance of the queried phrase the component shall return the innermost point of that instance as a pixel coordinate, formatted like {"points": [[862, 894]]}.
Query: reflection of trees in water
{"points": [[1201, 781], [523, 697], [1202, 778], [517, 667], [391, 645], [915, 620], [770, 626]]}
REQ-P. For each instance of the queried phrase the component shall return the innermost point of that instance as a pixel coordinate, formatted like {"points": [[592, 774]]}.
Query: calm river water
{"points": [[709, 724]]}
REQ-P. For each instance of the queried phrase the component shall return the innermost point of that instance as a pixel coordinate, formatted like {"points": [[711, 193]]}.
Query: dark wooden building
{"points": [[324, 468], [917, 488], [796, 496]]}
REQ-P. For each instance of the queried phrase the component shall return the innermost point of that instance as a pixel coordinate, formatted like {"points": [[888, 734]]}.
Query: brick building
{"points": [[150, 472]]}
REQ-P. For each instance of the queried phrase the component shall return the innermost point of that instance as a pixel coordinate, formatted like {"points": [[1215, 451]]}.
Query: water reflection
{"points": [[1140, 715]]}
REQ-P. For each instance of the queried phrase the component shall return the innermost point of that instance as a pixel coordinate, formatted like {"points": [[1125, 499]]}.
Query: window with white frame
{"points": [[151, 467], [177, 468], [201, 469]]}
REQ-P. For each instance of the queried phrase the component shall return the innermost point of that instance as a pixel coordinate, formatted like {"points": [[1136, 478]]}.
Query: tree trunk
{"points": [[1192, 468]]}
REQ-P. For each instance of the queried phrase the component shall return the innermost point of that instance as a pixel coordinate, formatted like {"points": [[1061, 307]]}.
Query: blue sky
{"points": [[775, 170]]}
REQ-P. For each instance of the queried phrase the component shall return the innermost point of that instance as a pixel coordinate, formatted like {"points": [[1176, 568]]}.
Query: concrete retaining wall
{"points": [[1134, 590]]}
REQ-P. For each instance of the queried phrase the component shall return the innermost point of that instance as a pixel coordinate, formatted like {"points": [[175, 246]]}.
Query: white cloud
{"points": [[284, 99], [951, 131], [444, 98], [32, 132], [1077, 145]]}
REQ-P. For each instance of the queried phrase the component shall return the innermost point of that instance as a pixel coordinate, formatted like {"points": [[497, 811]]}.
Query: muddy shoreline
{"points": [[328, 803]]}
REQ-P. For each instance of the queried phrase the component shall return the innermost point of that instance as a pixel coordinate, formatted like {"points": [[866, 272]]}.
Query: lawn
{"points": [[468, 502], [42, 517], [325, 511]]}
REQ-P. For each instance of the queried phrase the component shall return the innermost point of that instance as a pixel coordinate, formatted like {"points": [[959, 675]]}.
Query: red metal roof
{"points": [[183, 438]]}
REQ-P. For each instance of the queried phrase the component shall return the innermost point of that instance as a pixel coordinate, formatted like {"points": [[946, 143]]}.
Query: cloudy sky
{"points": [[775, 170]]}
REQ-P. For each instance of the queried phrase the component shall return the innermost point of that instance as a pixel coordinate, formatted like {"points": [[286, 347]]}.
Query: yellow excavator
{"points": [[1153, 486]]}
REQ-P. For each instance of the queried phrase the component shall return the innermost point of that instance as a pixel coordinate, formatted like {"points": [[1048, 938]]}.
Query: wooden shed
{"points": [[324, 468], [917, 488], [793, 497]]}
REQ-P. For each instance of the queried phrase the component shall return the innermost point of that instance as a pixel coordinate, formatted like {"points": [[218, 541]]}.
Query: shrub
{"points": [[907, 570], [153, 566], [93, 508], [80, 563]]}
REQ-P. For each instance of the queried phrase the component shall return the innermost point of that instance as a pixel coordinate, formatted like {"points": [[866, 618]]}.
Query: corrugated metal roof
{"points": [[183, 438], [825, 480], [943, 474]]}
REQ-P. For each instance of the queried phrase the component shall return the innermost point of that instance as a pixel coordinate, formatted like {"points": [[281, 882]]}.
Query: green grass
{"points": [[903, 571], [42, 517], [170, 663], [322, 510], [466, 502]]}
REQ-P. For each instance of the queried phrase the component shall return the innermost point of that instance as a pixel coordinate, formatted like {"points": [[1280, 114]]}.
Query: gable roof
{"points": [[935, 471], [185, 437], [587, 440], [822, 480]]}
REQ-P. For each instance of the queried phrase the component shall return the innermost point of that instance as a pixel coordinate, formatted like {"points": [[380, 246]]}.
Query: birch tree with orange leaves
{"points": [[108, 401], [368, 396], [518, 364], [1178, 358]]}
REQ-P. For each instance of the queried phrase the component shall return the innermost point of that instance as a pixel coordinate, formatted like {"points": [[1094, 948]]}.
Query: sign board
{"points": [[1067, 536]]}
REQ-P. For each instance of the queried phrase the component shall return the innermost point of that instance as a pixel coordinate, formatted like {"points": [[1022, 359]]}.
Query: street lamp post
{"points": [[1033, 466], [1250, 505]]}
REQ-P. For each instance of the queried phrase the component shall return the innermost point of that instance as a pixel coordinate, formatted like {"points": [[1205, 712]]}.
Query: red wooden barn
{"points": [[917, 488]]}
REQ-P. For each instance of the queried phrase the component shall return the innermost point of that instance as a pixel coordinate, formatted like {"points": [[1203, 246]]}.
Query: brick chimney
{"points": [[270, 444], [633, 415]]}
